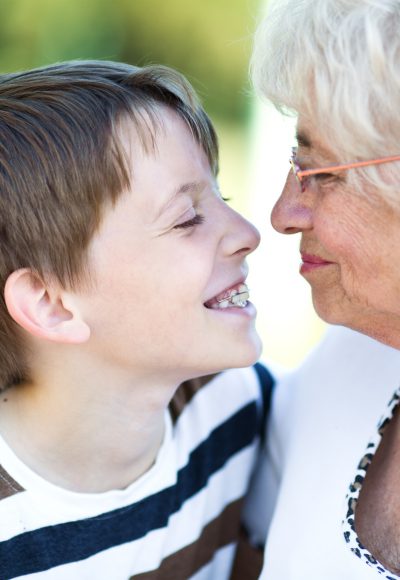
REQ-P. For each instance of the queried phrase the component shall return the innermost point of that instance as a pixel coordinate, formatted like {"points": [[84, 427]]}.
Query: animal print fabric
{"points": [[349, 532]]}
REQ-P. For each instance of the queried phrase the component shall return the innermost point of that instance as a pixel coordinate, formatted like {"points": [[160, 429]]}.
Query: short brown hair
{"points": [[61, 161]]}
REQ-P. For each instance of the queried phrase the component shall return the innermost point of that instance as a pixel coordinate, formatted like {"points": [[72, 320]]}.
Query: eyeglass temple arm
{"points": [[332, 168]]}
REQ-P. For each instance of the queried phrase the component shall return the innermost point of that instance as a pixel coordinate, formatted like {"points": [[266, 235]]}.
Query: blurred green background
{"points": [[210, 42]]}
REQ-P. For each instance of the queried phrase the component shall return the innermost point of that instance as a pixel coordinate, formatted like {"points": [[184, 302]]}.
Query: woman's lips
{"points": [[311, 262]]}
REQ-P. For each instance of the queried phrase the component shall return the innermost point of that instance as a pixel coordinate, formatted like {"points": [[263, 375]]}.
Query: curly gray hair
{"points": [[337, 63]]}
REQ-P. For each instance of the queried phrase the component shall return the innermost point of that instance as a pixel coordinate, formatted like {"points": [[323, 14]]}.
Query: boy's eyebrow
{"points": [[189, 187]]}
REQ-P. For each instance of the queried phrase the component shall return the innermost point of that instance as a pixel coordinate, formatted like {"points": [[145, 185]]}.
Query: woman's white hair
{"points": [[337, 63]]}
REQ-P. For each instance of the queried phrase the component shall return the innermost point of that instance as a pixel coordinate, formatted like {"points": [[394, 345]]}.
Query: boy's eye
{"points": [[196, 220]]}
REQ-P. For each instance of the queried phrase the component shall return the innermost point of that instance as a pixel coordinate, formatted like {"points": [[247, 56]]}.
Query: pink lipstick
{"points": [[311, 263]]}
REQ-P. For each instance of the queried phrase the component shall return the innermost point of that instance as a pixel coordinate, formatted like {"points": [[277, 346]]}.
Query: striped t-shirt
{"points": [[179, 520]]}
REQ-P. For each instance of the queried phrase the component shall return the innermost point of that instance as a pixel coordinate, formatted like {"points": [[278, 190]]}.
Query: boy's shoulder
{"points": [[225, 393], [207, 460], [8, 485]]}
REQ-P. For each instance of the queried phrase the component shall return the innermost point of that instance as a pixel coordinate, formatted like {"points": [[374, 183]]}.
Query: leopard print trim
{"points": [[349, 532]]}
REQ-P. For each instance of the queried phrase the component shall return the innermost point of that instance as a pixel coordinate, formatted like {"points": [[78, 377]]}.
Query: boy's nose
{"points": [[243, 237], [291, 213]]}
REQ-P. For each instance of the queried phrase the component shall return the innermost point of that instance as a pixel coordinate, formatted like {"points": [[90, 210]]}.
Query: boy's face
{"points": [[156, 262]]}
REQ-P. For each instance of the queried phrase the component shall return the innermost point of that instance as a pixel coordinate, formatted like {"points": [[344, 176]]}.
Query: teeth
{"points": [[237, 297], [240, 298]]}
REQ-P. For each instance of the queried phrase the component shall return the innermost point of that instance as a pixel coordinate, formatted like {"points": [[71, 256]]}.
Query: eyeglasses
{"points": [[300, 174]]}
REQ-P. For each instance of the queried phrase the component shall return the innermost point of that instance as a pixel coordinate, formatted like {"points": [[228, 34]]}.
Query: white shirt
{"points": [[324, 414]]}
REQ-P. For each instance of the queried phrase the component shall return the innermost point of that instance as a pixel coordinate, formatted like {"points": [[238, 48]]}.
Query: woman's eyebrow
{"points": [[313, 146], [303, 139]]}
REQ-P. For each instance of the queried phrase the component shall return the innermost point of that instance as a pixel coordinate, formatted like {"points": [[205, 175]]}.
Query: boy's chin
{"points": [[246, 357]]}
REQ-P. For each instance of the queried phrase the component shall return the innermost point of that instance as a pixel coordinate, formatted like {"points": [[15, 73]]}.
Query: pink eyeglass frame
{"points": [[301, 173]]}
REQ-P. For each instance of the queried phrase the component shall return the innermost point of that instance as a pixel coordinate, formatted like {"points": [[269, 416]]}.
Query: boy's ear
{"points": [[44, 310]]}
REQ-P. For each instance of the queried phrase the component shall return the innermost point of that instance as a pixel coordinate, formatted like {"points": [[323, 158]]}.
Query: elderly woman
{"points": [[336, 64]]}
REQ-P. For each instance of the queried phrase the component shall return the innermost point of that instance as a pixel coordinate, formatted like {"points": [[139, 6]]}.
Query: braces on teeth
{"points": [[239, 299]]}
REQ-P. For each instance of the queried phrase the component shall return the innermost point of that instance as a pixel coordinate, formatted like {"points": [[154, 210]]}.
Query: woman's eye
{"points": [[324, 176], [196, 220], [322, 179]]}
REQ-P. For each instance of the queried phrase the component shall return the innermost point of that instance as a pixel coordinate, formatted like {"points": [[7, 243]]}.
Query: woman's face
{"points": [[350, 244], [169, 247]]}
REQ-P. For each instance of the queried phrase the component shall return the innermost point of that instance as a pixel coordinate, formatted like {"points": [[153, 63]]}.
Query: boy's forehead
{"points": [[162, 156], [157, 137], [138, 133], [151, 135]]}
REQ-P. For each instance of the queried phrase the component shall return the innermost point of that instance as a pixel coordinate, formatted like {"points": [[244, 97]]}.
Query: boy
{"points": [[124, 276]]}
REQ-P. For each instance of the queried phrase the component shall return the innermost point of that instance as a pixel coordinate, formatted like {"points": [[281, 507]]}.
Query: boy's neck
{"points": [[83, 436]]}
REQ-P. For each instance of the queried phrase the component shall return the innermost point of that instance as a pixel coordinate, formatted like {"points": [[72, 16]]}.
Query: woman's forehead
{"points": [[313, 139]]}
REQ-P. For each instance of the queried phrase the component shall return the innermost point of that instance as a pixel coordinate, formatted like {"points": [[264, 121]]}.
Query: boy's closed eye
{"points": [[196, 220]]}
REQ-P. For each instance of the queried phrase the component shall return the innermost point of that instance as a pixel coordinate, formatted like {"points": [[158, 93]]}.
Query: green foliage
{"points": [[209, 41]]}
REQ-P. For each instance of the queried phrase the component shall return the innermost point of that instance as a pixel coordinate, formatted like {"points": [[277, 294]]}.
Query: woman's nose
{"points": [[292, 213]]}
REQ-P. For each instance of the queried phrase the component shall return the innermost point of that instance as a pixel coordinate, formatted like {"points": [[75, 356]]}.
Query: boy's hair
{"points": [[62, 162]]}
